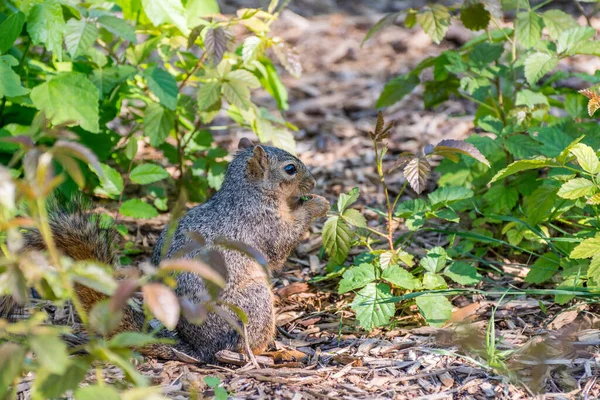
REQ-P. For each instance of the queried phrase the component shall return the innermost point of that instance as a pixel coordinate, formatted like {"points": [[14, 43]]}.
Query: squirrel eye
{"points": [[290, 169]]}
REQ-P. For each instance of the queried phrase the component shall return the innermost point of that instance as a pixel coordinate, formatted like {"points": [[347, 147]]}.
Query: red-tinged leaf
{"points": [[416, 173], [451, 146], [243, 248], [388, 20], [216, 42], [163, 303], [24, 141], [124, 291], [79, 151], [289, 58], [197, 267]]}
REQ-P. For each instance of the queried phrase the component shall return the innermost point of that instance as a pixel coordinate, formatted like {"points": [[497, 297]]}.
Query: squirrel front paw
{"points": [[317, 205]]}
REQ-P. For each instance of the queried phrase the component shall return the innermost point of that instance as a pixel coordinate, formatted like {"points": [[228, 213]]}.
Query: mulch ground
{"points": [[321, 352]]}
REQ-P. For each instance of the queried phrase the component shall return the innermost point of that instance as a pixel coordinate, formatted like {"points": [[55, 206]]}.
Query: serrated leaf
{"points": [[106, 79], [208, 95], [410, 207], [80, 35], [435, 21], [346, 200], [594, 200], [576, 188], [163, 303], [399, 277], [557, 22], [586, 249], [10, 82], [528, 26], [148, 173], [436, 309], [253, 46], [11, 28], [540, 203], [112, 183], [371, 311], [245, 77], [474, 16], [450, 146], [586, 158], [593, 272], [336, 239], [136, 208], [435, 260], [289, 58], [537, 65], [158, 123], [522, 165], [355, 218], [166, 11], [216, 43], [463, 273], [46, 25], [500, 198], [357, 277], [433, 281], [570, 38], [396, 89], [163, 85], [448, 195], [78, 100], [416, 173], [237, 93], [543, 269], [119, 27]]}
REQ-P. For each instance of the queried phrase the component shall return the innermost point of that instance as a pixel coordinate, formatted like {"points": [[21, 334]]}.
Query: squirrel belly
{"points": [[258, 204]]}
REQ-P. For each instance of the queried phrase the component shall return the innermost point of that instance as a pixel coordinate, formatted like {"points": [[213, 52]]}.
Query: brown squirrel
{"points": [[263, 203]]}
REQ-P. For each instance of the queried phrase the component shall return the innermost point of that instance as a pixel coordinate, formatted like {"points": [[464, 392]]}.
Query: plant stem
{"points": [[379, 160]]}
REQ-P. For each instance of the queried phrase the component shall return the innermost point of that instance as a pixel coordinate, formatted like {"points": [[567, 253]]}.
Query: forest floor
{"points": [[553, 350]]}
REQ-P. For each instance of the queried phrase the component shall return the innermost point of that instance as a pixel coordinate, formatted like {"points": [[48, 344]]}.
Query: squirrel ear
{"points": [[258, 165], [245, 143]]}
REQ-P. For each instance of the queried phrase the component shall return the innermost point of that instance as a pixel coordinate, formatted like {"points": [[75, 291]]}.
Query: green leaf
{"points": [[586, 249], [163, 85], [46, 25], [80, 35], [543, 269], [253, 46], [95, 392], [11, 363], [245, 77], [208, 95], [10, 82], [436, 309], [158, 123], [166, 11], [570, 38], [388, 20], [355, 218], [435, 21], [357, 277], [399, 277], [112, 183], [435, 260], [529, 28], [540, 203], [576, 188], [148, 173], [537, 65], [474, 16], [557, 22], [594, 270], [576, 106], [553, 138], [11, 28], [106, 79], [371, 311], [196, 10], [485, 53], [131, 339], [433, 281], [448, 195], [501, 198], [396, 89], [237, 93], [336, 239], [463, 273], [272, 83], [118, 27], [522, 146], [50, 385], [523, 165], [78, 100], [586, 157], [51, 352], [136, 208], [410, 207], [346, 200]]}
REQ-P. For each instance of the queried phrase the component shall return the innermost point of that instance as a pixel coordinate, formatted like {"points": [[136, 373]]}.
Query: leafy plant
{"points": [[384, 271]]}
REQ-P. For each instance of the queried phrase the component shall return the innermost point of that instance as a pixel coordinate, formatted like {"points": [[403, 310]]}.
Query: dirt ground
{"points": [[333, 104]]}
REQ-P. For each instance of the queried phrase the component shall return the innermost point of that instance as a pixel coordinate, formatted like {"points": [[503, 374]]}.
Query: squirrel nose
{"points": [[310, 181]]}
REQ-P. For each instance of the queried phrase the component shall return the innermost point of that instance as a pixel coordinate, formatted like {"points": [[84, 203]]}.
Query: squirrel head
{"points": [[274, 170]]}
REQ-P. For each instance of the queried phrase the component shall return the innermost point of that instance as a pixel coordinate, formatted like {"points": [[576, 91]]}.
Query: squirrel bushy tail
{"points": [[83, 235]]}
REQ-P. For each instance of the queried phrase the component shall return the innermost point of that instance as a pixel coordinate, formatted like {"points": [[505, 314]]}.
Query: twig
{"points": [[249, 350]]}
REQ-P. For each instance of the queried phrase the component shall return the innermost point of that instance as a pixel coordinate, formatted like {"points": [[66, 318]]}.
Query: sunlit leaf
{"points": [[163, 303], [416, 173]]}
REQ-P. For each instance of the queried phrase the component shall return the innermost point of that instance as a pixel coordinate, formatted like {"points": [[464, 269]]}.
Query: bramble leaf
{"points": [[80, 35], [474, 16], [417, 172], [537, 65], [136, 208], [370, 306], [528, 26], [435, 21], [144, 174], [543, 269], [158, 123], [435, 308], [523, 165], [336, 239], [449, 147], [357, 277], [576, 188], [586, 249]]}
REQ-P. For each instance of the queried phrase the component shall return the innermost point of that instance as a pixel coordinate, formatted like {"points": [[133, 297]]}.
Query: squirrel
{"points": [[264, 202]]}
